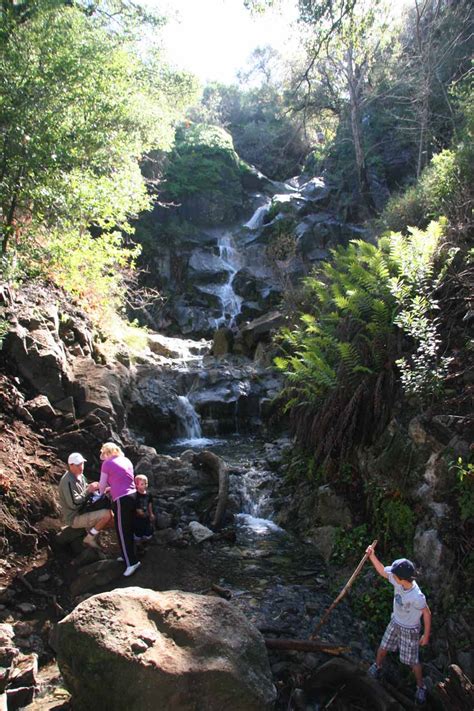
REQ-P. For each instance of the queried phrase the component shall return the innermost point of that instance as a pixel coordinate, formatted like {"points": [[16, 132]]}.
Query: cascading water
{"points": [[232, 260], [258, 216], [255, 488], [189, 424]]}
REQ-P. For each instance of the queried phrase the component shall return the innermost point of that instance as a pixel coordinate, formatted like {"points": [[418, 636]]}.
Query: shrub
{"points": [[340, 360], [202, 160], [464, 487]]}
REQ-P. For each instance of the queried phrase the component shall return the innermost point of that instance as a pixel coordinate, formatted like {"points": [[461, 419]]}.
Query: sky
{"points": [[214, 38]]}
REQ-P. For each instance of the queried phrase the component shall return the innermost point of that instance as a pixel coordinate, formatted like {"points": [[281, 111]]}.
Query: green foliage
{"points": [[299, 465], [203, 160], [464, 487], [91, 269], [78, 107], [264, 131], [394, 521], [373, 602], [4, 328], [424, 370], [434, 195], [340, 359], [349, 544]]}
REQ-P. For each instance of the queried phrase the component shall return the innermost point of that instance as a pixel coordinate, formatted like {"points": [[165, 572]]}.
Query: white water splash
{"points": [[189, 422], [258, 217], [231, 302], [257, 525]]}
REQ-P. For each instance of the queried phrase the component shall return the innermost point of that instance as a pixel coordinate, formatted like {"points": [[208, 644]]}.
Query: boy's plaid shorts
{"points": [[402, 638]]}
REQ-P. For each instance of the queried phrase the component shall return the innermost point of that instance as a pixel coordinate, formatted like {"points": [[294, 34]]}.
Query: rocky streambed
{"points": [[278, 583]]}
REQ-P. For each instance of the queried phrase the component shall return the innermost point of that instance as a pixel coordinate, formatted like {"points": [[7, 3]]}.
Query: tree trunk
{"points": [[354, 80]]}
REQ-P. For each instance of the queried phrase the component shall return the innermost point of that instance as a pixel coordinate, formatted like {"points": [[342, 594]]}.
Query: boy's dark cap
{"points": [[403, 569]]}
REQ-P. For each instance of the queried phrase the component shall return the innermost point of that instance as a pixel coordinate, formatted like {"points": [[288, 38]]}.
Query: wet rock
{"points": [[259, 330], [223, 342]]}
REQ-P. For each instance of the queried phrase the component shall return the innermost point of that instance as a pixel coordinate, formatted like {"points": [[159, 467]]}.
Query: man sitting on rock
{"points": [[73, 490]]}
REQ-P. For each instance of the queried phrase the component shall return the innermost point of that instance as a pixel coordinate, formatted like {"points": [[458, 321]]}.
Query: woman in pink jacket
{"points": [[117, 474]]}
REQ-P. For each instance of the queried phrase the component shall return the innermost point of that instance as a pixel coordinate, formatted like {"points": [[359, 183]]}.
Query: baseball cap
{"points": [[403, 569], [76, 458]]}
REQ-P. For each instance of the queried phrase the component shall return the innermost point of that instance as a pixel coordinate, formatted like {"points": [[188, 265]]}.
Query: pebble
{"points": [[44, 578]]}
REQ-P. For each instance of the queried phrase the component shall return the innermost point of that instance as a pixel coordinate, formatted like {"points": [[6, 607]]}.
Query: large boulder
{"points": [[41, 359], [173, 650]]}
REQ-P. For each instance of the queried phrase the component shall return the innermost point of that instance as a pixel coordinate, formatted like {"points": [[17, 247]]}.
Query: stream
{"points": [[279, 582]]}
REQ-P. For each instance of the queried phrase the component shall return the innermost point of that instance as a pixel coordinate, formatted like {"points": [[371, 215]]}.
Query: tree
{"points": [[437, 46], [78, 108]]}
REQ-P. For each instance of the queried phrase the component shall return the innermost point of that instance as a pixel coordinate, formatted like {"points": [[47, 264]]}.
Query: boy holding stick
{"points": [[403, 630]]}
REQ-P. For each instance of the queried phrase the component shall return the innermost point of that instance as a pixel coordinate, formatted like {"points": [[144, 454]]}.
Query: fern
{"points": [[344, 354]]}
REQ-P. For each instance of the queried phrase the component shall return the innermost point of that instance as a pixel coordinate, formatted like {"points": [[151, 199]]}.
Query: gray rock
{"points": [[206, 654], [434, 557], [199, 532], [6, 634], [324, 540], [331, 509]]}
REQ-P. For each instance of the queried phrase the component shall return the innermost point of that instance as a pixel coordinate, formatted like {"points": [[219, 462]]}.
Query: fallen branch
{"points": [[305, 645], [42, 593], [223, 592], [342, 594]]}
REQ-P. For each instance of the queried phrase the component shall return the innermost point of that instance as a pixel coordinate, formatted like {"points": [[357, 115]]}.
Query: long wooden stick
{"points": [[342, 594]]}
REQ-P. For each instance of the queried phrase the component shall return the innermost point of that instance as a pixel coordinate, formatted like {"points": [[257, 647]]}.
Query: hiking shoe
{"points": [[420, 695], [131, 569], [374, 671], [90, 540]]}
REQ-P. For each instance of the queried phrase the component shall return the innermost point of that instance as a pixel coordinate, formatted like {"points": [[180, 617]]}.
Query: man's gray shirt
{"points": [[72, 493]]}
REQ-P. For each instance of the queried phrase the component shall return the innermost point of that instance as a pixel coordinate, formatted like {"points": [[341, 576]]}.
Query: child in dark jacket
{"points": [[144, 514]]}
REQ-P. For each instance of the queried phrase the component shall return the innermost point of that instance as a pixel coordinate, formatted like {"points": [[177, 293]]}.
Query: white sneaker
{"points": [[89, 540], [131, 569], [120, 559]]}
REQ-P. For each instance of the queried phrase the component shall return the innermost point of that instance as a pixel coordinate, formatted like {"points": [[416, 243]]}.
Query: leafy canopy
{"points": [[79, 106]]}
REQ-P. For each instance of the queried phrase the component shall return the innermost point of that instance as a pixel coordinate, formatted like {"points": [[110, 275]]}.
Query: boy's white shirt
{"points": [[407, 604]]}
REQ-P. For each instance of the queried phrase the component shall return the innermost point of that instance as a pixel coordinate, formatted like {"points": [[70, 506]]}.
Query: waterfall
{"points": [[255, 488], [258, 216], [189, 423], [231, 302]]}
